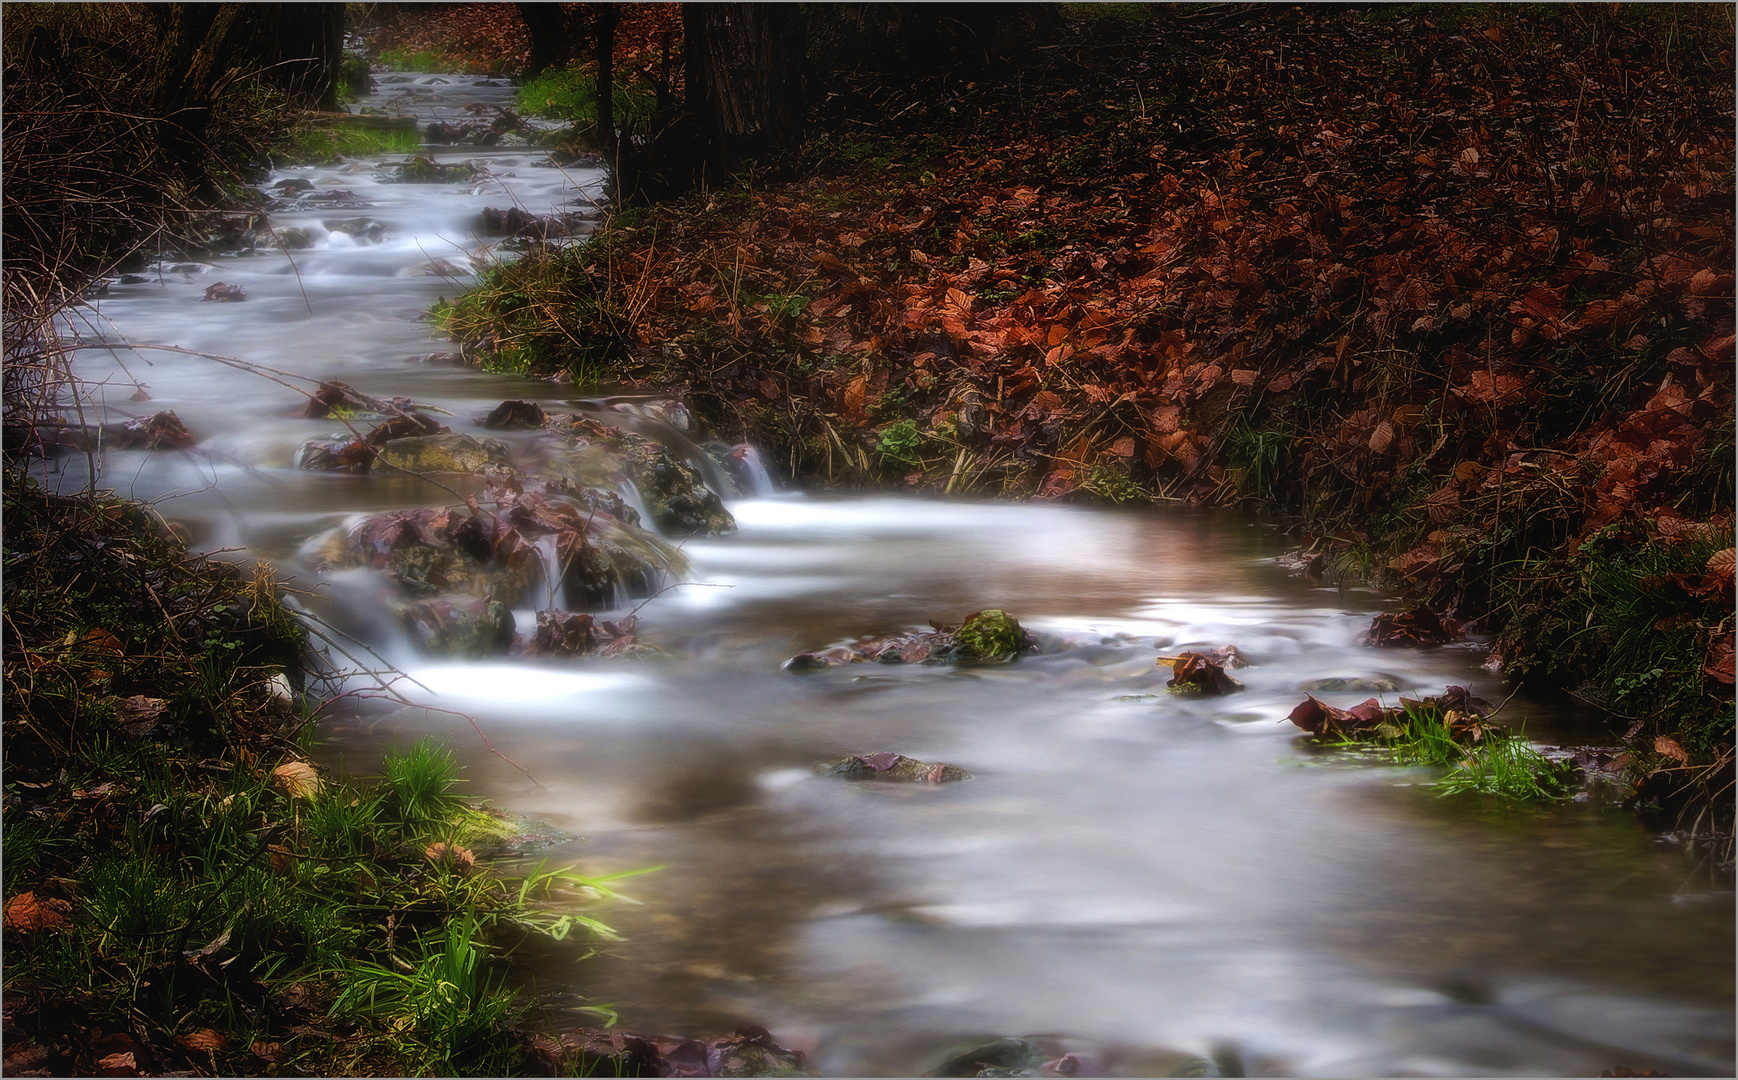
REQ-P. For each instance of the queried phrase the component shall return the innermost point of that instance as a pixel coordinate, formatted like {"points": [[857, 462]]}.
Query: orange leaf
{"points": [[25, 913], [204, 1041], [1671, 749]]}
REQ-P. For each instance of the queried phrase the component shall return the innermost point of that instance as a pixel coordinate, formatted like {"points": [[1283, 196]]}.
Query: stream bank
{"points": [[1382, 273]]}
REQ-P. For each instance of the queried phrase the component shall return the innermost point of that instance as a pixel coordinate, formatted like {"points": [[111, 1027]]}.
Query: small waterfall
{"points": [[631, 496], [751, 472], [554, 589]]}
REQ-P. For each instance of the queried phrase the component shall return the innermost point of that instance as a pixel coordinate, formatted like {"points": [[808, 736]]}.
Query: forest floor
{"points": [[1451, 289]]}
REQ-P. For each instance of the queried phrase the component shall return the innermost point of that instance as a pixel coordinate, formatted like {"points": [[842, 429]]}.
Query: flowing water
{"points": [[1142, 879]]}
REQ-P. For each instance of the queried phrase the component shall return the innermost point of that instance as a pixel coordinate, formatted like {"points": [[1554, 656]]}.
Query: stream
{"points": [[1150, 882]]}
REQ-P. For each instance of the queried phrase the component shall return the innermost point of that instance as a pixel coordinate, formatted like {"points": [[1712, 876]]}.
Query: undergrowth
{"points": [[180, 885]]}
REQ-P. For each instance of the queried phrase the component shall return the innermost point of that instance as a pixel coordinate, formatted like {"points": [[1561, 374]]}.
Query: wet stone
{"points": [[894, 767], [365, 230], [426, 170], [566, 633], [596, 455], [1374, 684], [989, 636], [162, 430], [342, 454], [451, 453], [452, 625], [514, 414]]}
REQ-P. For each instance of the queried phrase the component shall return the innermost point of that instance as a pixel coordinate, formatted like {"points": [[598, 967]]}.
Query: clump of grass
{"points": [[418, 784], [570, 94], [406, 58], [324, 144], [1480, 759], [542, 313], [444, 1009], [1508, 767]]}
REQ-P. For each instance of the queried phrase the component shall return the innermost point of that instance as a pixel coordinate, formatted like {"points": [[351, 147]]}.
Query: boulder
{"points": [[423, 169], [676, 497], [514, 414], [502, 555]]}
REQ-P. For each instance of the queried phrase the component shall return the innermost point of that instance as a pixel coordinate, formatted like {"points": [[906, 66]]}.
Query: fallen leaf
{"points": [[25, 913], [1669, 748], [204, 1041], [297, 779], [463, 859]]}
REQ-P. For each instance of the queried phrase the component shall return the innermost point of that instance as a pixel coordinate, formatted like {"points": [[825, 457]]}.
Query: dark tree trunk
{"points": [[548, 32], [606, 52], [196, 43], [301, 46], [744, 69], [203, 46]]}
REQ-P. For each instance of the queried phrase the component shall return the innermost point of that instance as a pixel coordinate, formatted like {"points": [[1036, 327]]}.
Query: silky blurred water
{"points": [[1143, 878]]}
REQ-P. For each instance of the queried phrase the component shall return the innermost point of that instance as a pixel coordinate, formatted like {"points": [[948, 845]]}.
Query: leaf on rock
{"points": [[224, 293], [1203, 674], [1420, 626]]}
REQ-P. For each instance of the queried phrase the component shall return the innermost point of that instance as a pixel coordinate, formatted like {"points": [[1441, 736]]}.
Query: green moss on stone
{"points": [[991, 635]]}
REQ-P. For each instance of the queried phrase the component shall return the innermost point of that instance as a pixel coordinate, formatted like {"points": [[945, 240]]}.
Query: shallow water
{"points": [[1141, 878]]}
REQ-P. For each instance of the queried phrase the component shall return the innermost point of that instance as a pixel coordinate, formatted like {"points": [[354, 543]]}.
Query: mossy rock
{"points": [[449, 453], [992, 635]]}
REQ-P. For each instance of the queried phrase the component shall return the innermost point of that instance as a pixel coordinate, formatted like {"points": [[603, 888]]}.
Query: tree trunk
{"points": [[547, 29], [300, 47], [196, 42], [744, 68], [606, 53]]}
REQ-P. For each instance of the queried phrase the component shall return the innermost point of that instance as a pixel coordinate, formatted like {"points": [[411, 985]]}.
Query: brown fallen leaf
{"points": [[1202, 674], [1420, 626], [204, 1041], [1318, 717], [26, 913], [1718, 665], [1669, 747], [297, 779], [1721, 564], [462, 859]]}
